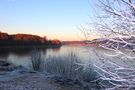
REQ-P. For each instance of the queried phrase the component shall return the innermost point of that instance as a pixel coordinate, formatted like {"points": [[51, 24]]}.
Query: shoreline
{"points": [[35, 81], [22, 79], [29, 47], [14, 77]]}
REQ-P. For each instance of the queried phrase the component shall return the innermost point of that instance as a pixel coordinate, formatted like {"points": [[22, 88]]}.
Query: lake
{"points": [[71, 61], [23, 56]]}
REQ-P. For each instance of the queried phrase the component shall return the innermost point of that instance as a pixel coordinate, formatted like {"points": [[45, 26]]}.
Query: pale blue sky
{"points": [[52, 18]]}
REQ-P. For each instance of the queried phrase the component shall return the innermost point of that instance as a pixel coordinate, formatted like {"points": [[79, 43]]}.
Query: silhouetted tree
{"points": [[25, 39]]}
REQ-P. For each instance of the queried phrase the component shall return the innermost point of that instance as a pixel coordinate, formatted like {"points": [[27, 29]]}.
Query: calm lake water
{"points": [[74, 62], [23, 56], [69, 61], [84, 54]]}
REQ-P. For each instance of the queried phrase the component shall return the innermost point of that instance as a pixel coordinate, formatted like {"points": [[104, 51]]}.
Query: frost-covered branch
{"points": [[117, 25]]}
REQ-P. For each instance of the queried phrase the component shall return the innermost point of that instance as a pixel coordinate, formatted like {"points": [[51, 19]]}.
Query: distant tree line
{"points": [[25, 39]]}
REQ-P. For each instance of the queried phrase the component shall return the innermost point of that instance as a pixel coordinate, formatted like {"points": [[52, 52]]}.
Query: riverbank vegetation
{"points": [[7, 40]]}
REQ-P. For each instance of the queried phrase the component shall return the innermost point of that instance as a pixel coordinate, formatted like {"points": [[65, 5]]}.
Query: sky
{"points": [[56, 19]]}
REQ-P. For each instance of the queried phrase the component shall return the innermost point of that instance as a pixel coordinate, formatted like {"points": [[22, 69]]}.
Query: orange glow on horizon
{"points": [[62, 37]]}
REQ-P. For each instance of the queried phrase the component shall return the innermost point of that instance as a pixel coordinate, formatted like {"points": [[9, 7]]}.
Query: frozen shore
{"points": [[19, 78], [35, 81]]}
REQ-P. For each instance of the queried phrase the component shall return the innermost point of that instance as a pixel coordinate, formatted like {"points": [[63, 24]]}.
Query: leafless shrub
{"points": [[69, 66], [36, 60], [116, 24]]}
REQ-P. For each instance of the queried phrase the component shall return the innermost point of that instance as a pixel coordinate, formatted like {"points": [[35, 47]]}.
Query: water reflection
{"points": [[23, 54], [59, 61], [75, 62]]}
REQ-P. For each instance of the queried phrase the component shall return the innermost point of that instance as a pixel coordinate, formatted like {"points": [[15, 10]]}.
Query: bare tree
{"points": [[116, 23]]}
